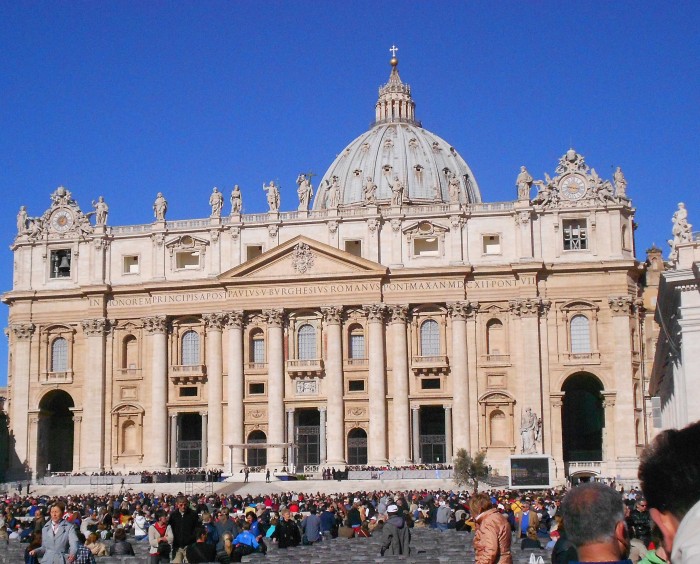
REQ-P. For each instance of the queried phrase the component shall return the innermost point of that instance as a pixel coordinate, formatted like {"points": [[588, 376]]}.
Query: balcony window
{"points": [[306, 342], [429, 338], [190, 348], [580, 335], [59, 355]]}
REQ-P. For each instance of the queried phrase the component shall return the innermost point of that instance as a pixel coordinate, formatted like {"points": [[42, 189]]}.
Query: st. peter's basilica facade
{"points": [[392, 317]]}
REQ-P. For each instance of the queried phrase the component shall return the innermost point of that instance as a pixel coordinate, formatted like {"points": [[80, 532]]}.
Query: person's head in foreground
{"points": [[594, 517], [669, 473]]}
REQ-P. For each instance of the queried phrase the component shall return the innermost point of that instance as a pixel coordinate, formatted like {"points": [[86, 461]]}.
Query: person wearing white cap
{"points": [[396, 536]]}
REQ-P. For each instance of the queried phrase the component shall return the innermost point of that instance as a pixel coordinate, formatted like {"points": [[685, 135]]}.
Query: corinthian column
{"points": [[377, 386], [459, 311], [236, 389], [22, 335], [275, 385], [93, 429], [334, 385], [399, 366], [156, 328], [214, 323]]}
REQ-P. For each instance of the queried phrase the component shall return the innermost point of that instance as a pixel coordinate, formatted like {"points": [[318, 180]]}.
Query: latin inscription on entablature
{"points": [[490, 283], [423, 285]]}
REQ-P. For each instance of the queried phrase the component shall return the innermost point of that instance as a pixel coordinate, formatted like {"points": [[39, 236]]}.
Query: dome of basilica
{"points": [[397, 152]]}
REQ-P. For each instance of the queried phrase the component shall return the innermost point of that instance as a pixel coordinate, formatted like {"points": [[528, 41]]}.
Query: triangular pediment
{"points": [[303, 258]]}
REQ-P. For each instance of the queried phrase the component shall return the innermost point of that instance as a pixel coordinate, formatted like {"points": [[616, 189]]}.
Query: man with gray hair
{"points": [[594, 521]]}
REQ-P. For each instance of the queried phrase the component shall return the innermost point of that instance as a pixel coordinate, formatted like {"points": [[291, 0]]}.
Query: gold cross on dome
{"points": [[393, 50]]}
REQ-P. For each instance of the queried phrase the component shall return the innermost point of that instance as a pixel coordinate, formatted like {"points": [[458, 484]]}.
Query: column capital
{"points": [[447, 406], [462, 310], [155, 324], [332, 314], [322, 408], [274, 317], [204, 413], [289, 410], [22, 331], [621, 305], [214, 321], [556, 399], [529, 307], [398, 313], [374, 312], [235, 319], [609, 398], [98, 326]]}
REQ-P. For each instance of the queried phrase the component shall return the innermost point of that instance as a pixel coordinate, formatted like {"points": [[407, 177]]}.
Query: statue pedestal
{"points": [[273, 215], [235, 218], [99, 229], [303, 213], [214, 220], [159, 225]]}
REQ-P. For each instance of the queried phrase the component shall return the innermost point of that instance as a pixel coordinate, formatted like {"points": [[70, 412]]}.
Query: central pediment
{"points": [[302, 258]]}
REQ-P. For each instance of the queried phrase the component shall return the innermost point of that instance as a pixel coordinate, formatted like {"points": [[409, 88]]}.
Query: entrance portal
{"points": [[357, 446], [432, 434], [189, 440], [55, 438], [583, 418], [307, 437]]}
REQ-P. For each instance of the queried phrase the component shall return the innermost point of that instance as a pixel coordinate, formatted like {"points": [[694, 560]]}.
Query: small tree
{"points": [[470, 470]]}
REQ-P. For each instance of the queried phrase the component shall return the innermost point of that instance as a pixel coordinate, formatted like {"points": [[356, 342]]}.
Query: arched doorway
{"points": [[583, 418], [357, 446], [55, 433]]}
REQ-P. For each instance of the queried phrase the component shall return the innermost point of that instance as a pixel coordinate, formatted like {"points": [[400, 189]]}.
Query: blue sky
{"points": [[127, 99]]}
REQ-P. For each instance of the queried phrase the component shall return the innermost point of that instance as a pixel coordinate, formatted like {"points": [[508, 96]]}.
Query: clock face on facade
{"points": [[572, 187], [62, 220]]}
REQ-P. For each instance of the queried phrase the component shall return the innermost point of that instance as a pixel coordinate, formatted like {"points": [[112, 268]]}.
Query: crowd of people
{"points": [[589, 523]]}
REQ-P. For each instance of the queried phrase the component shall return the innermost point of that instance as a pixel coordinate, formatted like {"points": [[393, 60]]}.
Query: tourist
{"points": [[200, 551], [224, 524], [121, 546], [640, 522], [287, 533], [524, 519], [226, 554], [492, 537], [34, 542], [531, 540], [96, 547], [182, 522], [83, 555], [396, 536], [594, 519], [245, 543], [58, 538], [160, 538], [669, 473], [311, 527]]}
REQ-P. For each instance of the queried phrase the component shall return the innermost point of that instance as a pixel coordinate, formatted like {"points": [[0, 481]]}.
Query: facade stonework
{"points": [[396, 320]]}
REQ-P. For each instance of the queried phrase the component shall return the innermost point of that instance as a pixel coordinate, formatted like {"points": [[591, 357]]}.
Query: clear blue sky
{"points": [[126, 99]]}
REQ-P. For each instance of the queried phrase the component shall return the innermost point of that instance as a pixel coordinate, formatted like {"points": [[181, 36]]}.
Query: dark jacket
{"points": [[200, 552], [121, 548], [396, 536], [640, 526], [183, 525], [564, 550], [287, 534]]}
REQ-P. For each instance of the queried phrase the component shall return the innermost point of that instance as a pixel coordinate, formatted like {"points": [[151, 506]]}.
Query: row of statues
{"points": [[682, 231]]}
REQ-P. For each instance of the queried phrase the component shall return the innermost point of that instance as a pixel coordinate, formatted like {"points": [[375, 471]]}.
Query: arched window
{"points": [[59, 355], [580, 335], [429, 338], [130, 352], [257, 347], [306, 342], [495, 337], [257, 456], [498, 428], [190, 348], [357, 342]]}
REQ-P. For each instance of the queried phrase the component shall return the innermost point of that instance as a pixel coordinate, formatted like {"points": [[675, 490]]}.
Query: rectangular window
{"points": [[188, 392], [354, 247], [60, 263], [187, 260], [131, 265], [656, 411], [575, 235], [356, 385], [430, 384], [258, 350], [491, 245], [426, 247], [252, 251], [256, 388], [357, 346]]}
